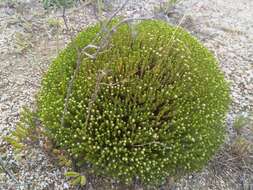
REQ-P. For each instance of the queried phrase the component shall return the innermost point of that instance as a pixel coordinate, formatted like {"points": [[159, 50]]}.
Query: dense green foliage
{"points": [[148, 107]]}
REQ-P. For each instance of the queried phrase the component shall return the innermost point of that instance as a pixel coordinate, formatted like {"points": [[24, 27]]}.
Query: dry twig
{"points": [[104, 35]]}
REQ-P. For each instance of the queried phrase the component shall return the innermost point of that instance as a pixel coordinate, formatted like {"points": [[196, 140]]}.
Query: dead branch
{"points": [[100, 76], [104, 34]]}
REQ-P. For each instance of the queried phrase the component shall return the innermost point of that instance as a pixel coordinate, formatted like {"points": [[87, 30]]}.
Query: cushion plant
{"points": [[149, 106]]}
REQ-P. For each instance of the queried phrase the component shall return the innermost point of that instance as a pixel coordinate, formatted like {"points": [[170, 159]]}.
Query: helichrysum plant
{"points": [[148, 107]]}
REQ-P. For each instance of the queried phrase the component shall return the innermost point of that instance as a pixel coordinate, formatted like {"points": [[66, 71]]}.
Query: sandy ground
{"points": [[29, 41]]}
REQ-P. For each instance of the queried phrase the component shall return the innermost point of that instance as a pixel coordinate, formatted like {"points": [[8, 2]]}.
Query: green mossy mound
{"points": [[158, 110]]}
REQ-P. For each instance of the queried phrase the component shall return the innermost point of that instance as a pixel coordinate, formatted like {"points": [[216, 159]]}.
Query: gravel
{"points": [[28, 43]]}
